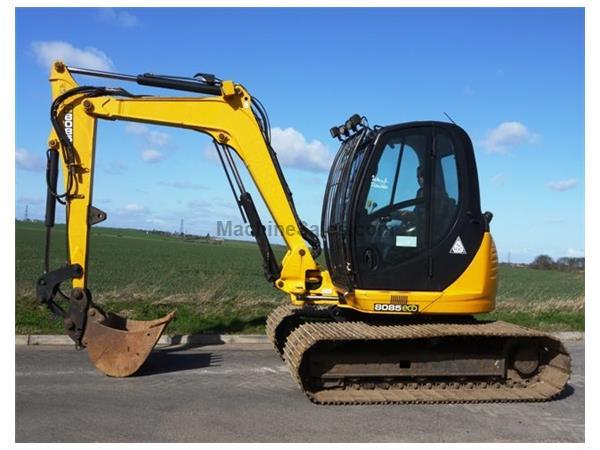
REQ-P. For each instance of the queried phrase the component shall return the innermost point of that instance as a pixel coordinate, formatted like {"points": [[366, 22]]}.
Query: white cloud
{"points": [[293, 150], [210, 153], [133, 209], [507, 136], [131, 215], [499, 179], [159, 222], [29, 200], [152, 156], [116, 167], [196, 204], [46, 52], [562, 185], [183, 185], [575, 253], [28, 161], [468, 91], [154, 138], [118, 17]]}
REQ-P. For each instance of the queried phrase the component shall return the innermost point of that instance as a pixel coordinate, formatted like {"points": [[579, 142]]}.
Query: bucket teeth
{"points": [[117, 346]]}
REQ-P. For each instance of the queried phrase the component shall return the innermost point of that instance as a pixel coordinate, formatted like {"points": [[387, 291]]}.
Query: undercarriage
{"points": [[416, 361]]}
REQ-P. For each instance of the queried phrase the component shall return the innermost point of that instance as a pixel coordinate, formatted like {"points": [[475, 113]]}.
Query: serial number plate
{"points": [[410, 308]]}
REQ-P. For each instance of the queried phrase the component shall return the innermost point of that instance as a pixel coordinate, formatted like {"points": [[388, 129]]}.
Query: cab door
{"points": [[456, 223], [416, 222]]}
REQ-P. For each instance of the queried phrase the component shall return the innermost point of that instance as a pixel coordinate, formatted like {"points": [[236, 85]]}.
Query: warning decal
{"points": [[458, 247]]}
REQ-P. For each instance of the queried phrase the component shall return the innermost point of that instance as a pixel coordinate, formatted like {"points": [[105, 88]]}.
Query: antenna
{"points": [[27, 213], [449, 118]]}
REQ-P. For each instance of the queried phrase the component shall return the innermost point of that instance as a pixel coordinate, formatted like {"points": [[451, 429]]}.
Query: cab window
{"points": [[394, 214], [445, 189]]}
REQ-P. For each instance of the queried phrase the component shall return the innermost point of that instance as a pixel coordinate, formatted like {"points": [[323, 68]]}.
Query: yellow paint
{"points": [[474, 292], [84, 134]]}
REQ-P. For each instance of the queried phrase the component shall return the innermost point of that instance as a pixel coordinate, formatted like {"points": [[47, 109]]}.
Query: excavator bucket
{"points": [[118, 346]]}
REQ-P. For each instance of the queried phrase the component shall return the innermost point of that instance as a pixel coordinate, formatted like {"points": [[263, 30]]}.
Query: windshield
{"points": [[337, 205]]}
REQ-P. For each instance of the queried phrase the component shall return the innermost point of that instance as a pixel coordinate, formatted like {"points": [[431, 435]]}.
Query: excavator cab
{"points": [[401, 208]]}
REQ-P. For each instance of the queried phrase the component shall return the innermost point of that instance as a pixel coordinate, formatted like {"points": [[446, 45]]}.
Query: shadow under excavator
{"points": [[170, 360], [174, 359], [180, 343]]}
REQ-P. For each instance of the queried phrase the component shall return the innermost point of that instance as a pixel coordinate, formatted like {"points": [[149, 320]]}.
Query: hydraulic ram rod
{"points": [[149, 79], [102, 74]]}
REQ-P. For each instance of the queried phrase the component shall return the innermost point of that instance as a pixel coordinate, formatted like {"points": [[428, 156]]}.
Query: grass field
{"points": [[221, 288]]}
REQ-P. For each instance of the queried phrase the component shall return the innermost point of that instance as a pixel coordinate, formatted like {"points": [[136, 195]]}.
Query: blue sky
{"points": [[512, 78]]}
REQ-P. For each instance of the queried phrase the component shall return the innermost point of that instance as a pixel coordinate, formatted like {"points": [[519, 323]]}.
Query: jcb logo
{"points": [[396, 308]]}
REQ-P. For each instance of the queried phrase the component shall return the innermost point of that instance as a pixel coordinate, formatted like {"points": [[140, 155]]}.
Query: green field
{"points": [[221, 288]]}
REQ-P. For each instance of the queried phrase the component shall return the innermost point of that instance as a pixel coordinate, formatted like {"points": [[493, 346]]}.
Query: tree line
{"points": [[565, 263]]}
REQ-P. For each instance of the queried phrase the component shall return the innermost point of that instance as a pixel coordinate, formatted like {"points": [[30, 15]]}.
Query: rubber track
{"points": [[548, 384]]}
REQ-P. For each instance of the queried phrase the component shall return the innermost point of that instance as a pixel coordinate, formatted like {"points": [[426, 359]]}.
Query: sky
{"points": [[512, 78]]}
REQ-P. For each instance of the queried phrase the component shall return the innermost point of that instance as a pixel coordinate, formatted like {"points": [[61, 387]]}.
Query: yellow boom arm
{"points": [[229, 119]]}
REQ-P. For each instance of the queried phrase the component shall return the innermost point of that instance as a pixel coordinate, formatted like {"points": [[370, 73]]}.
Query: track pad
{"points": [[117, 346]]}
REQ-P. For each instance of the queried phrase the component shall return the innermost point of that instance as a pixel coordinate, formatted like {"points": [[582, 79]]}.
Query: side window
{"points": [[380, 189], [445, 189], [356, 163], [407, 184]]}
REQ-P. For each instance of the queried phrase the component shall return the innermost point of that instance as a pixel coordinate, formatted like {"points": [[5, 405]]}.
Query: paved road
{"points": [[230, 394]]}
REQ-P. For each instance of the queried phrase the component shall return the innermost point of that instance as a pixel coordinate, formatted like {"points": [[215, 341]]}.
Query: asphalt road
{"points": [[232, 394]]}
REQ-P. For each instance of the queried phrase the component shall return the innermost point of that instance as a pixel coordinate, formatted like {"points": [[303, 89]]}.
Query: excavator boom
{"points": [[228, 114]]}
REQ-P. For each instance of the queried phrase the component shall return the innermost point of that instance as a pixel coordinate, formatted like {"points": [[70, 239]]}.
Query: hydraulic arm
{"points": [[236, 123]]}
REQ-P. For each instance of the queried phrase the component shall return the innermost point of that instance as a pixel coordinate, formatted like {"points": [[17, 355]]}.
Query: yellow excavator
{"points": [[409, 255]]}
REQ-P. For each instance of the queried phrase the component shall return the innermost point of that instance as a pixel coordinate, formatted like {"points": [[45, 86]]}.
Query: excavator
{"points": [[409, 259]]}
